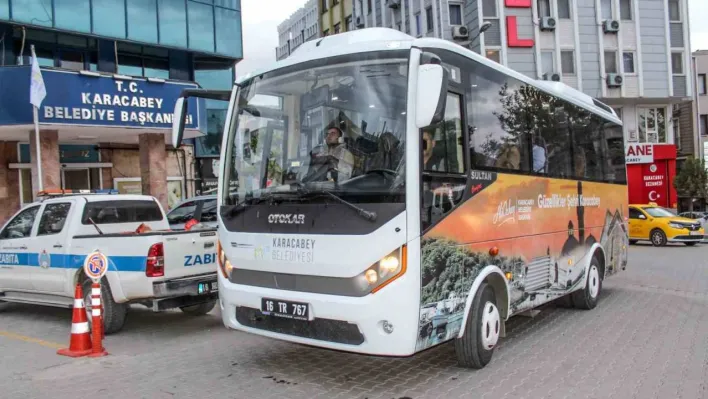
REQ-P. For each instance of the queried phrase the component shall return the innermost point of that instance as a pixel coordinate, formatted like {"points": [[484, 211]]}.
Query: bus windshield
{"points": [[334, 125]]}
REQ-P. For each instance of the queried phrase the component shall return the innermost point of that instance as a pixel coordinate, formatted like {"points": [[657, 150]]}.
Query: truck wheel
{"points": [[113, 313], [482, 330], [199, 310], [658, 238], [587, 297]]}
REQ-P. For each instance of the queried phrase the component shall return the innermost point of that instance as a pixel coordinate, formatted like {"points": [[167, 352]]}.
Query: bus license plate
{"points": [[286, 309], [208, 287]]}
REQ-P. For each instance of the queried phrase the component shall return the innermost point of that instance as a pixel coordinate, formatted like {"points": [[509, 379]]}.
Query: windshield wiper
{"points": [[368, 215]]}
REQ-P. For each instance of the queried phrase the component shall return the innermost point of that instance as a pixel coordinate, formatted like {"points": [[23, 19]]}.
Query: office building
{"points": [[301, 26], [335, 16], [112, 70]]}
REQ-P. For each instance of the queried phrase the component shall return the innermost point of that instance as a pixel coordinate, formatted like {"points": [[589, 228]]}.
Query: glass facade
{"points": [[207, 26]]}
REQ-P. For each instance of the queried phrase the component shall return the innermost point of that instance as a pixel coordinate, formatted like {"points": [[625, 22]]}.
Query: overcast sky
{"points": [[261, 19]]}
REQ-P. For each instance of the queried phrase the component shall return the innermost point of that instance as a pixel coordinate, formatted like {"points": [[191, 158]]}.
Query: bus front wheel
{"points": [[482, 330]]}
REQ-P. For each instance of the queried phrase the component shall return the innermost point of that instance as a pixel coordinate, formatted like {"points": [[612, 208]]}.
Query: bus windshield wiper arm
{"points": [[368, 215]]}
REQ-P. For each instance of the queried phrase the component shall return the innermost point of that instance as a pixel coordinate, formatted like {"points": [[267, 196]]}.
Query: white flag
{"points": [[37, 89]]}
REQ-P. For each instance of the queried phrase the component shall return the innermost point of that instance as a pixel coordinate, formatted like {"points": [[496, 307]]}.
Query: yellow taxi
{"points": [[656, 224]]}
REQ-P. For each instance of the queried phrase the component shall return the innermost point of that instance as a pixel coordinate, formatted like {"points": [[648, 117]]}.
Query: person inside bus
{"points": [[539, 155], [509, 157], [431, 159], [336, 148]]}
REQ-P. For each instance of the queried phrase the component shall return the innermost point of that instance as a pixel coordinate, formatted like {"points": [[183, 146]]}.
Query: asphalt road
{"points": [[648, 338]]}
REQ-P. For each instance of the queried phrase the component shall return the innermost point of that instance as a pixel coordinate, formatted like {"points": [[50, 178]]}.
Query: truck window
{"points": [[53, 218], [21, 225], [111, 212]]}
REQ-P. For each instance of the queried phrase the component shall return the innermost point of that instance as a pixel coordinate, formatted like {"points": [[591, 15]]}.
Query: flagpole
{"points": [[37, 94], [38, 148]]}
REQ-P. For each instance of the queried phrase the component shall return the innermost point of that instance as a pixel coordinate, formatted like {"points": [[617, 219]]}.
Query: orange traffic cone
{"points": [[80, 341]]}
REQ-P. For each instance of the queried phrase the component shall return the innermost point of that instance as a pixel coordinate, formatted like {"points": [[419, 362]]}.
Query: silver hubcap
{"points": [[490, 325], [657, 238], [594, 282]]}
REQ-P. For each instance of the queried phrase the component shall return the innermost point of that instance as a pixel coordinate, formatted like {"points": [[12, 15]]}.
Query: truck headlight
{"points": [[383, 272], [224, 264]]}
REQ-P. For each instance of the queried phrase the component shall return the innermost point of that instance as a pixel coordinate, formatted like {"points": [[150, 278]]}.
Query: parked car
{"points": [[660, 226], [43, 247], [201, 208]]}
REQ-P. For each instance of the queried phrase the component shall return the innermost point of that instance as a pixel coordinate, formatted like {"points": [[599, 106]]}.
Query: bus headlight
{"points": [[383, 272], [224, 264]]}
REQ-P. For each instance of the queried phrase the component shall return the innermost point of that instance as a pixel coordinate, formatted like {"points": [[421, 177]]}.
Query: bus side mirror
{"points": [[178, 119], [431, 95]]}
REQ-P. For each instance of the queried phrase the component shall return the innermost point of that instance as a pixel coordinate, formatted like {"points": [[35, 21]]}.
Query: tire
{"points": [[658, 238], [482, 330], [690, 244], [114, 314], [632, 242], [199, 310], [588, 296]]}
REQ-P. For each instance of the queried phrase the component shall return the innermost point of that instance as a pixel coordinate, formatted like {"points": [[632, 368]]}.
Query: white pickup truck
{"points": [[43, 247]]}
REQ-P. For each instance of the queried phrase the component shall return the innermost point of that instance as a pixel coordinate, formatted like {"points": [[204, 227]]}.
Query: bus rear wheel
{"points": [[482, 330], [587, 297]]}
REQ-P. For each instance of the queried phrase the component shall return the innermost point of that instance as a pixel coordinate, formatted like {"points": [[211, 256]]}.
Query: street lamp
{"points": [[482, 28], [485, 26]]}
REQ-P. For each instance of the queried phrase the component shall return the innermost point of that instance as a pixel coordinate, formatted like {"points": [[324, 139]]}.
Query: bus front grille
{"points": [[337, 331]]}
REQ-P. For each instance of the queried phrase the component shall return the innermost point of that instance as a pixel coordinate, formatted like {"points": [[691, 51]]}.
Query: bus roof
{"points": [[378, 39]]}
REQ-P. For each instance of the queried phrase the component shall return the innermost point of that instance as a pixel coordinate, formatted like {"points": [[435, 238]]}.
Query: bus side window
{"points": [[442, 164]]}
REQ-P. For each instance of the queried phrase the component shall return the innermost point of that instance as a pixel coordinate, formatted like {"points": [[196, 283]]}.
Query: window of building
{"points": [[674, 10], [704, 125], [73, 60], [348, 23], [142, 20], [201, 26], [544, 8], [547, 63], [628, 62], [173, 22], [611, 62], [494, 55], [53, 218], [21, 225], [677, 63], [652, 125], [568, 62], [150, 62], [676, 117], [606, 9], [625, 10], [489, 8], [324, 6], [108, 17], [429, 18], [336, 28], [368, 4], [71, 14], [37, 12], [702, 83], [418, 26], [564, 9], [455, 14], [228, 27]]}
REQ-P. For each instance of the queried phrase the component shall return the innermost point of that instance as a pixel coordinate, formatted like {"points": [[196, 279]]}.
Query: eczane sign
{"points": [[639, 153]]}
